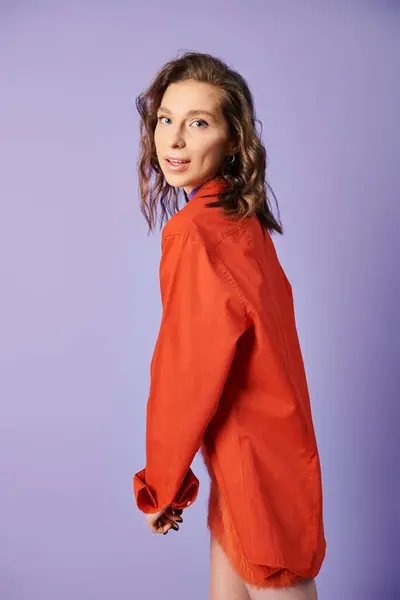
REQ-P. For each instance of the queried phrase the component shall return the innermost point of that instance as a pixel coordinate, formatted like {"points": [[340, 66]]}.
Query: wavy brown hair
{"points": [[247, 194]]}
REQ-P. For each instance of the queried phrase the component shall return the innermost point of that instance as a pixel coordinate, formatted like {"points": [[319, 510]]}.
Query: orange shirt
{"points": [[227, 377]]}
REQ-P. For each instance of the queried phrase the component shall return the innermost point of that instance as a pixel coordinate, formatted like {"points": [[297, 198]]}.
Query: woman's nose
{"points": [[176, 142], [176, 139]]}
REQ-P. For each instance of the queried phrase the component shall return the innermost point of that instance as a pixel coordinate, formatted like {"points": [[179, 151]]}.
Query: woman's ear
{"points": [[233, 148]]}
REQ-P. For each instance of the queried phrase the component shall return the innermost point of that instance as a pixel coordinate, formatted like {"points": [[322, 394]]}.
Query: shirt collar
{"points": [[214, 185]]}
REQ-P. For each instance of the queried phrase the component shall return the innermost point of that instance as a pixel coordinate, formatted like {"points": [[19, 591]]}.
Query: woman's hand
{"points": [[163, 520]]}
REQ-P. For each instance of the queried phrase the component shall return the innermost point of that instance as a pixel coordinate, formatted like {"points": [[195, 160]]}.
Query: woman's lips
{"points": [[177, 166]]}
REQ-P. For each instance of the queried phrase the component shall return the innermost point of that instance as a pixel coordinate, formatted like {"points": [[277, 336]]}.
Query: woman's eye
{"points": [[200, 121]]}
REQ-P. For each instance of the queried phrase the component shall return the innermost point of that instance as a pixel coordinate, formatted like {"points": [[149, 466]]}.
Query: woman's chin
{"points": [[178, 179]]}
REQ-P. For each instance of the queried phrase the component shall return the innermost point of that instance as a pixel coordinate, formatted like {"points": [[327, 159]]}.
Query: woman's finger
{"points": [[170, 523], [174, 523], [171, 516], [162, 525], [158, 526]]}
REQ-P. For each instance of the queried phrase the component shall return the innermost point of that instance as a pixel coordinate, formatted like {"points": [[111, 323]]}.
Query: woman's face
{"points": [[192, 128]]}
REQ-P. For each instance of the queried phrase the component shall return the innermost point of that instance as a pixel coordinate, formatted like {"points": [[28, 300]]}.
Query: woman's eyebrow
{"points": [[190, 113]]}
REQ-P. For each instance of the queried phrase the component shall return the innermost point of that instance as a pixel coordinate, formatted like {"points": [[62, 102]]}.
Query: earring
{"points": [[229, 161]]}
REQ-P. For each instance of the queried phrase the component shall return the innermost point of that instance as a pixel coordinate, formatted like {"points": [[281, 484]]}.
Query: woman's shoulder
{"points": [[208, 226]]}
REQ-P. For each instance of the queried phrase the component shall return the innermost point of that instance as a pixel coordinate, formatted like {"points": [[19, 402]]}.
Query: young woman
{"points": [[227, 374]]}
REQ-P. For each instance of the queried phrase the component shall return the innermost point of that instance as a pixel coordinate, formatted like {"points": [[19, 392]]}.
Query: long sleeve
{"points": [[203, 317]]}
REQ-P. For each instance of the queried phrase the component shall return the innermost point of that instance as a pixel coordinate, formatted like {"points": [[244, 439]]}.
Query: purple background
{"points": [[80, 304]]}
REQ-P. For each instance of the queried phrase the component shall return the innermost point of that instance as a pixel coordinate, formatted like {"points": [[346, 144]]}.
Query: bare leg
{"points": [[305, 590], [225, 583]]}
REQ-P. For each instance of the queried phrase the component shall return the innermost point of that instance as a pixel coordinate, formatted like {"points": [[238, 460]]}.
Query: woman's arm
{"points": [[202, 319]]}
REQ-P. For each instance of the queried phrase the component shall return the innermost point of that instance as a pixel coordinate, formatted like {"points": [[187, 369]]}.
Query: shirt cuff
{"points": [[145, 498]]}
